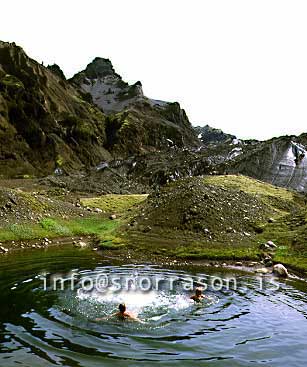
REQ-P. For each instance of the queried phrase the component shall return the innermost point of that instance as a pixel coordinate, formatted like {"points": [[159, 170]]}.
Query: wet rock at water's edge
{"points": [[280, 270]]}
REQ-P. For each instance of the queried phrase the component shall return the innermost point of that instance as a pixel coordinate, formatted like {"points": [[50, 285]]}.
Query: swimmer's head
{"points": [[122, 307], [198, 291]]}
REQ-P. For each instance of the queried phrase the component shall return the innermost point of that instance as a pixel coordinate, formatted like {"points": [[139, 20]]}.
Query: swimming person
{"points": [[122, 314], [198, 296]]}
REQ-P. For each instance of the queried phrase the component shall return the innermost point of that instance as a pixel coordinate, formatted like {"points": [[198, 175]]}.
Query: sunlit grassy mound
{"points": [[289, 229], [112, 203], [215, 208], [212, 216], [17, 206], [277, 198]]}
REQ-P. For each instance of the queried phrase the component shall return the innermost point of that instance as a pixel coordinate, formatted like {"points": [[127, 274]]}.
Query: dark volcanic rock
{"points": [[135, 123], [208, 135], [50, 125], [209, 211], [44, 122], [57, 71]]}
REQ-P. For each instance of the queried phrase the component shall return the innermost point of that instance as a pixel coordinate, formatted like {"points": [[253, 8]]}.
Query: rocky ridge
{"points": [[51, 125], [134, 121], [45, 124], [209, 135], [214, 213]]}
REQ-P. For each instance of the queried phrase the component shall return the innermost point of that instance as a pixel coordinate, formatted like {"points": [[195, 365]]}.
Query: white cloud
{"points": [[239, 65]]}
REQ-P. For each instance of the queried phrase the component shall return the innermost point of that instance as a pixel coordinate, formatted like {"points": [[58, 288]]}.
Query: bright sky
{"points": [[239, 65]]}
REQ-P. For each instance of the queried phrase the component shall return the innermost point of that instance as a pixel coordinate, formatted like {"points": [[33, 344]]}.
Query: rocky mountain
{"points": [[45, 123], [109, 92], [281, 161], [133, 120], [52, 125], [49, 124], [210, 135]]}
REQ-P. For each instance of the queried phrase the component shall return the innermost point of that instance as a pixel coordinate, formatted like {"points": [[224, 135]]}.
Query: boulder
{"points": [[80, 244], [280, 270], [253, 263], [262, 271], [267, 261], [146, 229], [3, 250], [264, 246], [271, 244]]}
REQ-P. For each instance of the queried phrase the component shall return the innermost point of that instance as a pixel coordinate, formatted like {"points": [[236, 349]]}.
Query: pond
{"points": [[244, 320]]}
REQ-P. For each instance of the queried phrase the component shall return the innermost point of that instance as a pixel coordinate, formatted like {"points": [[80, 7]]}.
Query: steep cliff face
{"points": [[45, 124], [141, 128], [280, 161], [135, 123]]}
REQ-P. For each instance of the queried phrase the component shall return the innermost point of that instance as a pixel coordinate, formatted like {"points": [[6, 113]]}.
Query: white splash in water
{"points": [[137, 301]]}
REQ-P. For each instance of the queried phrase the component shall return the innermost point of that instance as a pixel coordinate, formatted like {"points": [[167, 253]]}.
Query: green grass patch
{"points": [[114, 203], [20, 232], [112, 243], [290, 235], [93, 226], [216, 252], [277, 198], [52, 227]]}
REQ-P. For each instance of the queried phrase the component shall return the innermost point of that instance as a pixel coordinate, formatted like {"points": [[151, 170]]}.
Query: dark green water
{"points": [[248, 326]]}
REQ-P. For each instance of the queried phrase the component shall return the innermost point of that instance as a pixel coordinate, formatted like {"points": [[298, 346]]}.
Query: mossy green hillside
{"points": [[290, 234], [288, 229], [212, 217], [101, 227], [31, 216], [222, 218], [42, 116], [281, 200], [112, 203]]}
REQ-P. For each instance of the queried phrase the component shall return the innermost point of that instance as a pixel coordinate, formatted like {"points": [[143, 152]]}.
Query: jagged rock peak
{"points": [[13, 57], [99, 68], [11, 45], [208, 134], [109, 92], [57, 71]]}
